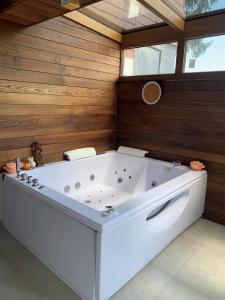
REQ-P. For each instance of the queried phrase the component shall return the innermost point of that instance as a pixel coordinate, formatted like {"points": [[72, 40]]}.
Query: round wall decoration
{"points": [[151, 92]]}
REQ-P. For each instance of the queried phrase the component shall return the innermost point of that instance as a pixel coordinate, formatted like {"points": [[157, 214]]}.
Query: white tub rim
{"points": [[93, 218]]}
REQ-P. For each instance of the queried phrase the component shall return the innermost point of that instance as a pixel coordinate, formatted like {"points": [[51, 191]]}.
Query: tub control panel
{"points": [[29, 180]]}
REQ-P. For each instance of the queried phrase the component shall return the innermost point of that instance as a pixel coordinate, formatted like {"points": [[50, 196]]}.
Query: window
{"points": [[192, 7], [158, 59], [186, 8], [205, 54]]}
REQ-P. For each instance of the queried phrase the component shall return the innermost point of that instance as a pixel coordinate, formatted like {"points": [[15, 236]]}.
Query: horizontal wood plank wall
{"points": [[57, 87], [187, 124]]}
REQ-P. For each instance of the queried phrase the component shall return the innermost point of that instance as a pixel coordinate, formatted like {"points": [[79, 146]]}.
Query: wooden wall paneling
{"points": [[187, 124], [64, 25], [57, 86], [32, 37]]}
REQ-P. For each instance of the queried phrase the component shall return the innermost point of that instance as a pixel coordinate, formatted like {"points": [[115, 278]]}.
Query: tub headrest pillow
{"points": [[80, 153], [132, 151]]}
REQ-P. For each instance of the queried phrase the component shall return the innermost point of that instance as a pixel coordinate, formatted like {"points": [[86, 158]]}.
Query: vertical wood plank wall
{"points": [[187, 124], [57, 86]]}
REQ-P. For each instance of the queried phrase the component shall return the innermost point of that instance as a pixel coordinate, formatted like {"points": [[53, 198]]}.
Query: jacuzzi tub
{"points": [[64, 222]]}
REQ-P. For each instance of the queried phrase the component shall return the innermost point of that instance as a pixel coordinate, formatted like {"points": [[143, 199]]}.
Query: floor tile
{"points": [[6, 270], [216, 240], [14, 288], [175, 255], [146, 285], [17, 293], [200, 231], [8, 245], [205, 271], [177, 290], [61, 294], [190, 268]]}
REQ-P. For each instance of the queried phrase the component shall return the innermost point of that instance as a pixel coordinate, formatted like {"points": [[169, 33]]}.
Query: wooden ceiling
{"points": [[111, 18], [30, 12]]}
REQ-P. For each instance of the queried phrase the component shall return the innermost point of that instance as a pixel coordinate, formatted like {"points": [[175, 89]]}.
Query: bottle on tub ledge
{"points": [[10, 167], [36, 150], [28, 163], [197, 165]]}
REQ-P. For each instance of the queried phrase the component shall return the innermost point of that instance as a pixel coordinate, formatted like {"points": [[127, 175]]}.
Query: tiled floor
{"points": [[191, 268]]}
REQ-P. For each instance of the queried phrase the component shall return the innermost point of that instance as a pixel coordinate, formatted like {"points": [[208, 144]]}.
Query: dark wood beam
{"points": [[212, 24], [194, 28], [153, 36], [88, 2], [6, 4], [75, 4], [88, 22]]}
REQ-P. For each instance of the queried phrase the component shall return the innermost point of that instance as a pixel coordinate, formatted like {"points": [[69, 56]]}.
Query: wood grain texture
{"points": [[187, 124], [206, 25], [97, 26], [30, 12], [157, 35], [57, 87], [166, 13]]}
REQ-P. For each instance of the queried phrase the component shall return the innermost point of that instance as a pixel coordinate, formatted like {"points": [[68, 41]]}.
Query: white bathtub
{"points": [[65, 226]]}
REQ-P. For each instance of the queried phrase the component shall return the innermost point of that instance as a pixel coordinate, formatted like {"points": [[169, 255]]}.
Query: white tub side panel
{"points": [[66, 246], [1, 187], [125, 250]]}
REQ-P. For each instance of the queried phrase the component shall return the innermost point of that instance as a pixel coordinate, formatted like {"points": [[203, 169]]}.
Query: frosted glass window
{"points": [[157, 59], [205, 54]]}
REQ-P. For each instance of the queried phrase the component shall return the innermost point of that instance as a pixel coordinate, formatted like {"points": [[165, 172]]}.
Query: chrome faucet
{"points": [[18, 167], [176, 163]]}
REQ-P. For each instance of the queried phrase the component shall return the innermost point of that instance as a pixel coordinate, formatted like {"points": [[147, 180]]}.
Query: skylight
{"points": [[122, 15]]}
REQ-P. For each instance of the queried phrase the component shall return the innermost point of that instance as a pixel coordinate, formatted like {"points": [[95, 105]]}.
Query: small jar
{"points": [[32, 162]]}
